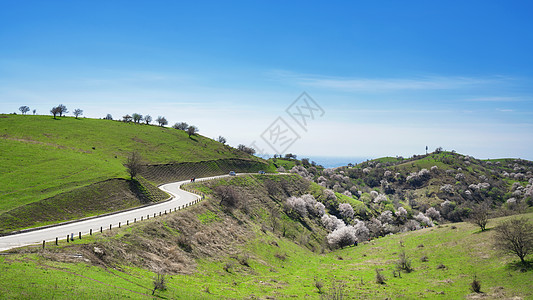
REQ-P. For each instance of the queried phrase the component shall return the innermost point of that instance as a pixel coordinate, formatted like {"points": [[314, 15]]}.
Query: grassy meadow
{"points": [[272, 267]]}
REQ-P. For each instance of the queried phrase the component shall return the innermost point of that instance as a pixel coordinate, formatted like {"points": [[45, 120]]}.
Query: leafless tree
{"points": [[77, 112], [221, 139], [54, 111], [62, 109], [480, 216], [245, 149], [147, 119], [181, 126], [134, 164], [24, 109], [162, 121], [160, 283], [515, 236], [192, 130]]}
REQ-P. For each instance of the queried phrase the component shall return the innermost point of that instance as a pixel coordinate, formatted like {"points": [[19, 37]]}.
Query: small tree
{"points": [[126, 118], [24, 109], [245, 149], [34, 111], [147, 119], [62, 109], [162, 121], [77, 112], [108, 117], [160, 283], [181, 126], [480, 216], [515, 236], [54, 111], [192, 130], [134, 164], [137, 118], [221, 139]]}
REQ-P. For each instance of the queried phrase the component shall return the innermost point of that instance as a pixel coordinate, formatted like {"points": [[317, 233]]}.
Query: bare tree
{"points": [[221, 139], [245, 149], [54, 111], [126, 118], [160, 283], [515, 236], [162, 121], [181, 126], [480, 216], [147, 119], [134, 164], [78, 112], [137, 118], [24, 109], [192, 130], [62, 109]]}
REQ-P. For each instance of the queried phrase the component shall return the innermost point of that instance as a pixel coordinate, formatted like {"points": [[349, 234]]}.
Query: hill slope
{"points": [[44, 158], [259, 249]]}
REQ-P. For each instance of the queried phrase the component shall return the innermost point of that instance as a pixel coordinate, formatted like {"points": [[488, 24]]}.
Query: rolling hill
{"points": [[67, 168]]}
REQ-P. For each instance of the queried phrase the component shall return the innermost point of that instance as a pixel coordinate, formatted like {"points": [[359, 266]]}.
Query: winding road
{"points": [[179, 199]]}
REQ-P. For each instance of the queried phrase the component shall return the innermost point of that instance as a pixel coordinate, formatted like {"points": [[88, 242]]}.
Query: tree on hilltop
{"points": [[192, 130], [162, 121], [147, 119], [127, 118], [24, 109], [221, 139], [137, 118], [62, 109], [181, 126], [77, 112], [55, 111]]}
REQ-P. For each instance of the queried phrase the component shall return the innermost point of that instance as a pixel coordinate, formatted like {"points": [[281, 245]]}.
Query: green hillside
{"points": [[42, 157], [256, 248]]}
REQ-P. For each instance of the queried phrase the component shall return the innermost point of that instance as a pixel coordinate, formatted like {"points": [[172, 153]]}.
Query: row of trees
{"points": [[56, 110]]}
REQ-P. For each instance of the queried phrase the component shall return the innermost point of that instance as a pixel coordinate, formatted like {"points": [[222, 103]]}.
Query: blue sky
{"points": [[390, 76]]}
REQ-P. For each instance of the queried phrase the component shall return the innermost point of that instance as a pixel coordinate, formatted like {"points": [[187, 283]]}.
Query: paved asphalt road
{"points": [[179, 199]]}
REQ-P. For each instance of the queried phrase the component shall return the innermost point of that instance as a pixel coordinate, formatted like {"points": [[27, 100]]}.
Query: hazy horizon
{"points": [[381, 79]]}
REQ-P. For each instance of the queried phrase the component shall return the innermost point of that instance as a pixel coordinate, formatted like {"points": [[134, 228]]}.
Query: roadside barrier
{"points": [[200, 197]]}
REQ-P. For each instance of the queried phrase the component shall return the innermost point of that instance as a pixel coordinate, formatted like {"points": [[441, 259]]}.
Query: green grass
{"points": [[42, 157], [282, 269]]}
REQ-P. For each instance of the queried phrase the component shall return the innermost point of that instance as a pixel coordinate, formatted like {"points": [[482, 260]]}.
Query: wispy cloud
{"points": [[385, 84], [496, 99]]}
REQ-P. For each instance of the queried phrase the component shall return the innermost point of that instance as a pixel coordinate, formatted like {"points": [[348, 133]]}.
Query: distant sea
{"points": [[335, 161]]}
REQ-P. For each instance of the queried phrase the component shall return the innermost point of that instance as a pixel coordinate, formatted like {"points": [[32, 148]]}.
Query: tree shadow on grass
{"points": [[479, 231], [519, 266]]}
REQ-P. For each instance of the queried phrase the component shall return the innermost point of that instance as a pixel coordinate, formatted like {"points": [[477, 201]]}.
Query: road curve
{"points": [[179, 198]]}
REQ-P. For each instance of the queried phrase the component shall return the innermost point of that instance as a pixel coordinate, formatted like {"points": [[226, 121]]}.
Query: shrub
{"points": [[342, 237], [160, 283], [380, 278], [297, 205], [433, 213], [319, 285], [228, 266], [475, 285], [331, 222], [424, 259], [346, 211], [441, 267], [404, 263]]}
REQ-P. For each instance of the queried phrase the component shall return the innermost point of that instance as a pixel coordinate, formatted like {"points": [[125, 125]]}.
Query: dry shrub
{"points": [[380, 278], [424, 259], [441, 267], [404, 263], [281, 256], [475, 285]]}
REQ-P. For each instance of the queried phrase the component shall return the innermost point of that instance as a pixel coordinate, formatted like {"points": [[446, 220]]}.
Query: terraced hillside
{"points": [[69, 168]]}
